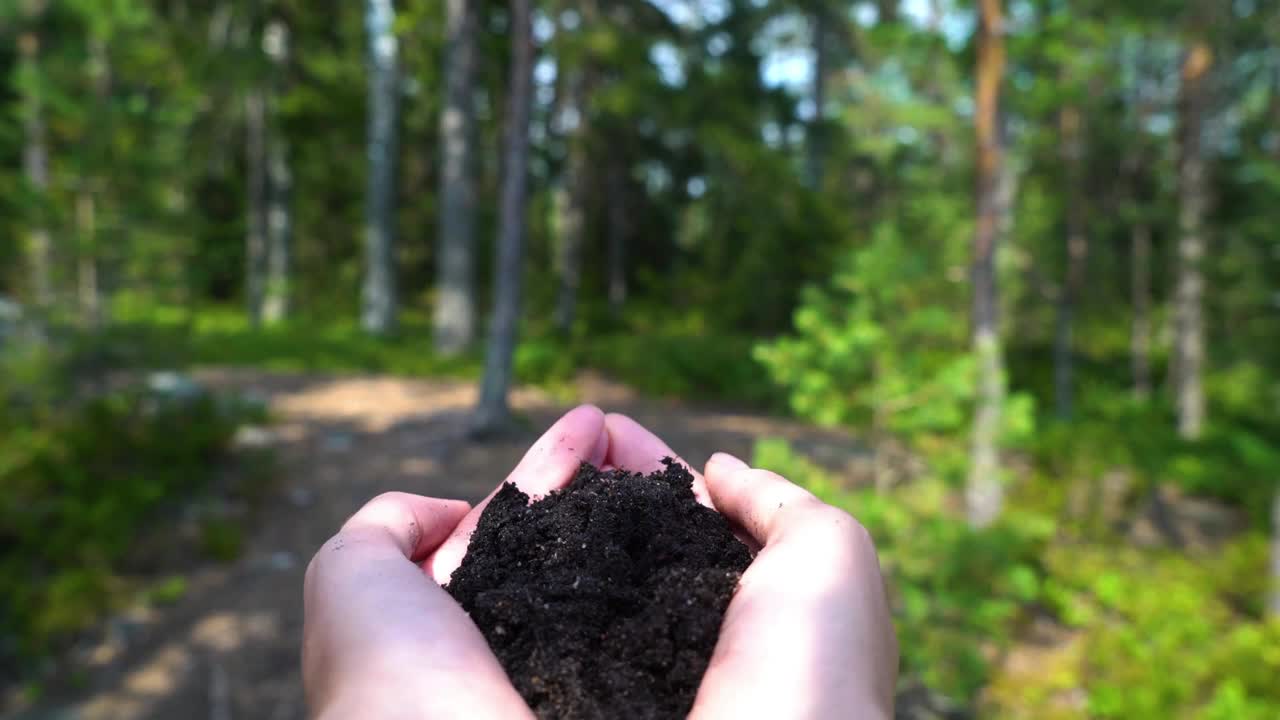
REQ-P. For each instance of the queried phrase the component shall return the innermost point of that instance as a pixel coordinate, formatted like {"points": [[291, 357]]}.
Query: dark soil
{"points": [[604, 599]]}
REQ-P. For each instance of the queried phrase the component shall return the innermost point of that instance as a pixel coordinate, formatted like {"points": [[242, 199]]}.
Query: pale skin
{"points": [[807, 635]]}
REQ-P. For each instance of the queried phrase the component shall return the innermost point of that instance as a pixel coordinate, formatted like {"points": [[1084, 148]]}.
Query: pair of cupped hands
{"points": [[807, 634]]}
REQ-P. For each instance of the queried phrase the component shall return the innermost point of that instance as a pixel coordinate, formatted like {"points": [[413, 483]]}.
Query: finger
{"points": [[761, 502], [579, 436], [810, 618], [378, 630], [576, 437], [414, 523], [632, 447]]}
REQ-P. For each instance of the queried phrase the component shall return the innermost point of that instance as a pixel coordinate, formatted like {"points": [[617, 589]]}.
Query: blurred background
{"points": [[1000, 277]]}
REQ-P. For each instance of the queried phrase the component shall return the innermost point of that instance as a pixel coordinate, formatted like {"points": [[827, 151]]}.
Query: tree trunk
{"points": [[35, 165], [87, 280], [455, 310], [1139, 248], [816, 145], [379, 295], [984, 496], [1192, 199], [277, 304], [887, 11], [1140, 338], [616, 181], [572, 213], [1077, 254], [224, 32], [279, 222], [1273, 604], [572, 210], [492, 412], [255, 124]]}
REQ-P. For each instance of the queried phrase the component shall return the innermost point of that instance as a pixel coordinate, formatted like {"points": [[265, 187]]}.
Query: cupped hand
{"points": [[808, 633], [381, 639]]}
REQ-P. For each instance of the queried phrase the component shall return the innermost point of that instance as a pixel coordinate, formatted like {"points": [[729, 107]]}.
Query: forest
{"points": [[1021, 254]]}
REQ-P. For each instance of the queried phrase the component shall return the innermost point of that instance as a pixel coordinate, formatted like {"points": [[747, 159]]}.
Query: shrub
{"points": [[685, 364], [879, 348], [81, 477], [1165, 635], [1236, 460], [1145, 633], [957, 593]]}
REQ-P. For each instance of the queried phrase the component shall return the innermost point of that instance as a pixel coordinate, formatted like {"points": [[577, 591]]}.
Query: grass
{"points": [[220, 335], [657, 358]]}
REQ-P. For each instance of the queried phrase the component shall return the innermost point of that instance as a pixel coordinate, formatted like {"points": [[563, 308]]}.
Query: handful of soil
{"points": [[604, 599]]}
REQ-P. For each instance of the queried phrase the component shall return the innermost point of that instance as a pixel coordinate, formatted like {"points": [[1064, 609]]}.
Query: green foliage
{"points": [[1145, 633], [880, 348], [1236, 460], [653, 355], [154, 334], [877, 347], [732, 207], [1164, 635], [546, 359], [957, 593], [168, 591], [699, 366], [82, 477], [221, 539]]}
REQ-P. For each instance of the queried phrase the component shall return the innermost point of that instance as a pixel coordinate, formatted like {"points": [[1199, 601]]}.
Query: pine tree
{"points": [[378, 315], [492, 412], [985, 494], [455, 309]]}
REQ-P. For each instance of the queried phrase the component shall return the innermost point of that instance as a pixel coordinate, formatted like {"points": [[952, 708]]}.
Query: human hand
{"points": [[381, 639], [808, 633]]}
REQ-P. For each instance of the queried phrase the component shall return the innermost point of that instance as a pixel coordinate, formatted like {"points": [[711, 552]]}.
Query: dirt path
{"points": [[229, 649]]}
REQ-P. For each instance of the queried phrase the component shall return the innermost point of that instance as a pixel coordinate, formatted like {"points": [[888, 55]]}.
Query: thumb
{"points": [[759, 501], [415, 524]]}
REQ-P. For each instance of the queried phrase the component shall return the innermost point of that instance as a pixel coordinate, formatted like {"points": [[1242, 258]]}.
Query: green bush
{"points": [[654, 353], [544, 359], [1236, 460], [957, 593], [81, 477], [705, 366], [878, 348], [157, 335], [1146, 633], [1164, 635]]}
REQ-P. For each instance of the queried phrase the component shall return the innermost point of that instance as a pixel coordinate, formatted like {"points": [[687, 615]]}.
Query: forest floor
{"points": [[229, 648]]}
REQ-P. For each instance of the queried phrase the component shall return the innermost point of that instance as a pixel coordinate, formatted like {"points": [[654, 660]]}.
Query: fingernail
{"points": [[727, 461]]}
